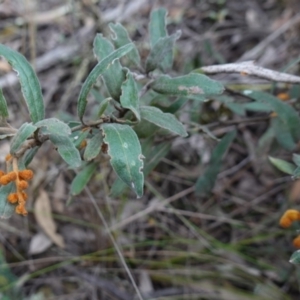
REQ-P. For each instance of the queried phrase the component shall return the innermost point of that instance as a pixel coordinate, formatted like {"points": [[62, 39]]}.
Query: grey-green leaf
{"points": [[296, 159], [113, 76], [121, 38], [161, 55], [24, 132], [54, 126], [158, 30], [287, 114], [283, 133], [130, 98], [66, 149], [6, 208], [82, 178], [282, 165], [157, 25], [101, 67], [30, 85], [163, 120], [195, 86], [295, 258], [206, 182], [125, 154], [3, 106], [93, 147]]}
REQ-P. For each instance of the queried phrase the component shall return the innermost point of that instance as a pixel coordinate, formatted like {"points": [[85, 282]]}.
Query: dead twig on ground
{"points": [[250, 68]]}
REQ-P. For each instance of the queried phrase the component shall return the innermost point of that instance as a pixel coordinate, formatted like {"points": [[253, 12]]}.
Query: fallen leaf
{"points": [[39, 243], [43, 215], [59, 194]]}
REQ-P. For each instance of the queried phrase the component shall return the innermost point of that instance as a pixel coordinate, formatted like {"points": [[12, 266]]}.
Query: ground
{"points": [[225, 245]]}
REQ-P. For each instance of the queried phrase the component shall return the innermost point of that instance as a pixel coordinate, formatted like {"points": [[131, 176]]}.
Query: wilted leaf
{"points": [[282, 165], [39, 243], [43, 215], [125, 154], [30, 85], [121, 38], [101, 67], [206, 182], [130, 98], [3, 106], [161, 55], [24, 132], [93, 147], [114, 75], [54, 126], [164, 120], [194, 86], [6, 209], [66, 149], [82, 178]]}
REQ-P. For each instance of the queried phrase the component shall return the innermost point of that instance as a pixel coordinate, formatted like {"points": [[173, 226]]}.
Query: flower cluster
{"points": [[290, 216], [20, 178]]}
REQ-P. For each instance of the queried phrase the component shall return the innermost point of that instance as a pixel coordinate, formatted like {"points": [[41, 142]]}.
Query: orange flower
{"points": [[22, 185], [21, 210], [25, 174], [12, 198], [289, 217], [296, 242], [9, 177]]}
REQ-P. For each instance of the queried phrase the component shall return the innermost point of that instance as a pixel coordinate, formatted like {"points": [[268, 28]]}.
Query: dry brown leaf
{"points": [[39, 243], [59, 194], [43, 215]]}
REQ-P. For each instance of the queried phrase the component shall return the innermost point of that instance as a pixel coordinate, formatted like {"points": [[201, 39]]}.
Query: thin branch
{"points": [[249, 68], [116, 246]]}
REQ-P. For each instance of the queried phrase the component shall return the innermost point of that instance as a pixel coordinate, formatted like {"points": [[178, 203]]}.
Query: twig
{"points": [[258, 49], [151, 208], [116, 246], [249, 68]]}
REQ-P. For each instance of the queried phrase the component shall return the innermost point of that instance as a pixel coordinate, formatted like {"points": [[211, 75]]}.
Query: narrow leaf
{"points": [[282, 165], [283, 134], [287, 114], [113, 76], [161, 55], [296, 159], [6, 208], [82, 178], [66, 149], [206, 182], [164, 120], [295, 258], [24, 132], [122, 38], [125, 154], [3, 106], [195, 86], [30, 85], [101, 67], [93, 147], [54, 126], [130, 98], [157, 25]]}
